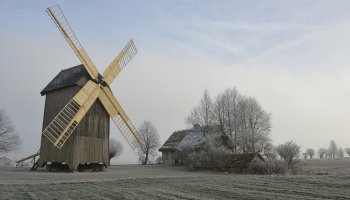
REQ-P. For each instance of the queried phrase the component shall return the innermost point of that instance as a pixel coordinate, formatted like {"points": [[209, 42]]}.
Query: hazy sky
{"points": [[292, 56]]}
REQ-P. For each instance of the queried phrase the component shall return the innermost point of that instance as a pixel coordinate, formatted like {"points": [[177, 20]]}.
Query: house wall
{"points": [[5, 162], [171, 158], [89, 142], [168, 158]]}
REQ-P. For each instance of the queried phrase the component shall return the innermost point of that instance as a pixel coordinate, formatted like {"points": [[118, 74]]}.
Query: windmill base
{"points": [[64, 167]]}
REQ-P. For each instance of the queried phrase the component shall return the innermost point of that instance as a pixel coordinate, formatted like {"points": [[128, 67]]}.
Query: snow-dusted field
{"points": [[330, 166], [159, 182]]}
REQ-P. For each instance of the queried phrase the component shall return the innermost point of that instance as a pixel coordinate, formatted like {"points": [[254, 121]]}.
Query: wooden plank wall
{"points": [[90, 140]]}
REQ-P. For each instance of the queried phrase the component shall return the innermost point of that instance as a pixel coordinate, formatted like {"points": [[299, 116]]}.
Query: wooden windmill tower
{"points": [[78, 105]]}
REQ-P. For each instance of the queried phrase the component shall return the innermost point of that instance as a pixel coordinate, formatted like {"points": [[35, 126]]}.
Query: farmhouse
{"points": [[195, 137], [5, 162]]}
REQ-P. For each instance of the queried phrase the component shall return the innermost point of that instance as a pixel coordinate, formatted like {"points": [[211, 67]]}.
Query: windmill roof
{"points": [[68, 77]]}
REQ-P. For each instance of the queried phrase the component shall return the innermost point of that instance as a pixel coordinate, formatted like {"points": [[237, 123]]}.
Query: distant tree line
{"points": [[332, 151], [239, 117]]}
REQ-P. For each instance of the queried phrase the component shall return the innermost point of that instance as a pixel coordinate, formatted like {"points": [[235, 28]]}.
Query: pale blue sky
{"points": [[293, 56]]}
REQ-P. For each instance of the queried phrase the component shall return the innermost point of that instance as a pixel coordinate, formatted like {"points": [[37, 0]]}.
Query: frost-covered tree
{"points": [[288, 152], [9, 137], [347, 150], [333, 149], [241, 118], [340, 152], [254, 124], [226, 114], [310, 152], [149, 142], [203, 113], [322, 152], [115, 148]]}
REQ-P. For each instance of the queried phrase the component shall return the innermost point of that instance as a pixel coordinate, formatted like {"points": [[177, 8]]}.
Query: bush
{"points": [[270, 166], [288, 152], [273, 166], [159, 160], [211, 156], [184, 152]]}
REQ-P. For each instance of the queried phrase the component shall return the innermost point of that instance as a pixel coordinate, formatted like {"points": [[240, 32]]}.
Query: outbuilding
{"points": [[5, 162]]}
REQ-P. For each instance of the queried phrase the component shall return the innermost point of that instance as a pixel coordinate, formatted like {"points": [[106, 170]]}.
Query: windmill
{"points": [[78, 105]]}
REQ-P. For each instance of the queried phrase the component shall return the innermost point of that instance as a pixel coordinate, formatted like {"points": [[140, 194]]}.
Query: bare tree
{"points": [[288, 152], [255, 126], [226, 114], [310, 152], [115, 148], [149, 142], [340, 152], [329, 153], [203, 113], [241, 118], [347, 151], [9, 137], [333, 149], [322, 152]]}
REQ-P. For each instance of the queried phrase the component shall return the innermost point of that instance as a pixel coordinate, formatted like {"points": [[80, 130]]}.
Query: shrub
{"points": [[211, 156], [184, 152], [288, 152], [274, 166], [270, 166], [159, 160]]}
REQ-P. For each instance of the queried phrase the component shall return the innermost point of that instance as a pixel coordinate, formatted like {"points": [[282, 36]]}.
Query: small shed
{"points": [[5, 162], [241, 161]]}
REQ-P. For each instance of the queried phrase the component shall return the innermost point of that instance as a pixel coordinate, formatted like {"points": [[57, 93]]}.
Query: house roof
{"points": [[5, 159], [68, 77], [180, 139], [174, 140]]}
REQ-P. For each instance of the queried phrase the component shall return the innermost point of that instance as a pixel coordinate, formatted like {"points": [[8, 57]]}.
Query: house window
{"points": [[165, 155]]}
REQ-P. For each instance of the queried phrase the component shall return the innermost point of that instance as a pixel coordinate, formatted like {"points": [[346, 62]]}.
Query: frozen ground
{"points": [[159, 182], [328, 166], [25, 176]]}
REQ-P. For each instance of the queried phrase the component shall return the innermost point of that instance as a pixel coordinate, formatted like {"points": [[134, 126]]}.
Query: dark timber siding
{"points": [[89, 141]]}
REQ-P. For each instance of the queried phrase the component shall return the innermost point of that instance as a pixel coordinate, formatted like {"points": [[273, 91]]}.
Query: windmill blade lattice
{"points": [[63, 125], [62, 24], [122, 59]]}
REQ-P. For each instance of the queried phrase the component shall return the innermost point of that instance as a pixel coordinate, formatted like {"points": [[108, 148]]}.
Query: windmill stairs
{"points": [[34, 160]]}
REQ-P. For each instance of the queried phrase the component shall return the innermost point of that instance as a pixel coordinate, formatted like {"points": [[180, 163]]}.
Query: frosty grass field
{"points": [[162, 182]]}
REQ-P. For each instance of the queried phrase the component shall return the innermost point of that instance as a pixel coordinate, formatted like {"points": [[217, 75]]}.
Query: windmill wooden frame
{"points": [[95, 90]]}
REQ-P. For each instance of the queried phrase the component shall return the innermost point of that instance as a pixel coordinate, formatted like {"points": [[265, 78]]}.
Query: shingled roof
{"points": [[69, 77], [194, 136], [174, 140]]}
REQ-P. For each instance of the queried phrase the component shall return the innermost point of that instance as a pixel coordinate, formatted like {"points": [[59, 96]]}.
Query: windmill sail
{"points": [[119, 117], [62, 24], [63, 125], [128, 52]]}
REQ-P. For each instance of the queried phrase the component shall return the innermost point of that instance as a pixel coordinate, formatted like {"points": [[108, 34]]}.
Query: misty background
{"points": [[293, 57]]}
